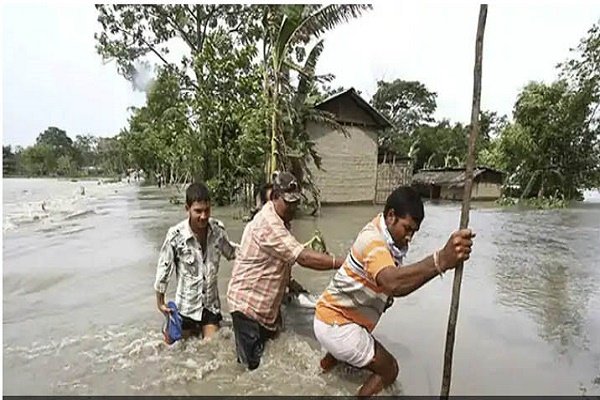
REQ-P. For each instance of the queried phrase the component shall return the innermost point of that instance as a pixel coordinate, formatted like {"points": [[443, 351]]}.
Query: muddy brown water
{"points": [[79, 314]]}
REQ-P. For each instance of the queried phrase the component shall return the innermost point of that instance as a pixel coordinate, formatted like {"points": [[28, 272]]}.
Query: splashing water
{"points": [[137, 361], [60, 201]]}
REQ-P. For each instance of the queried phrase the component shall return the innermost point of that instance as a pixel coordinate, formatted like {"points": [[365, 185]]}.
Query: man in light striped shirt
{"points": [[372, 274], [192, 249]]}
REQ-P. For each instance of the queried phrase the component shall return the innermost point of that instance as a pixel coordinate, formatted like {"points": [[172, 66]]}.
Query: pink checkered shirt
{"points": [[262, 267]]}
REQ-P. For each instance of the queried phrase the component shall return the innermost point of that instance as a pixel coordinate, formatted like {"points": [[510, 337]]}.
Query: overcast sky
{"points": [[52, 75]]}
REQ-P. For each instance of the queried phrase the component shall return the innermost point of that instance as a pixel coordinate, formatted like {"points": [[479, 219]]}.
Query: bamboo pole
{"points": [[464, 215]]}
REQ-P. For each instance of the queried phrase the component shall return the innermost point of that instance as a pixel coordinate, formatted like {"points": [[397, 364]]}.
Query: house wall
{"points": [[390, 176], [479, 191], [349, 164], [451, 193], [486, 191]]}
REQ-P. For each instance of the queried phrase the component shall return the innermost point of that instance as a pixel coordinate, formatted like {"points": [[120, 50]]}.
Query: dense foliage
{"points": [[233, 87], [550, 149]]}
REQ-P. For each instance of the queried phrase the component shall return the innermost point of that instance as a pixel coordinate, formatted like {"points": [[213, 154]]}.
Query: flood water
{"points": [[79, 312]]}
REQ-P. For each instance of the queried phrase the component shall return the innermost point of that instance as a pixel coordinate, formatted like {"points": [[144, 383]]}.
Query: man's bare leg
{"points": [[328, 362], [209, 330], [385, 371], [187, 333]]}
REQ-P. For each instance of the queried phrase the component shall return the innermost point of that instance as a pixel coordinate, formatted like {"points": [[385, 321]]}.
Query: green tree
{"points": [[112, 157], [85, 150], [213, 87], [9, 162], [582, 73], [224, 98], [65, 166], [408, 105], [184, 136], [490, 127], [225, 102], [435, 146], [18, 153], [551, 148], [582, 70], [130, 33], [39, 159], [58, 140]]}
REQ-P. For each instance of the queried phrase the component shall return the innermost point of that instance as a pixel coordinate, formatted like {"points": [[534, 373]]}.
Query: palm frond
{"points": [[299, 69], [291, 19], [306, 80], [328, 17]]}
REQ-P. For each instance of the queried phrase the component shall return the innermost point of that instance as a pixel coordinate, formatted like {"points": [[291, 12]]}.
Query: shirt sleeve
{"points": [[376, 258], [227, 247], [278, 242], [165, 266]]}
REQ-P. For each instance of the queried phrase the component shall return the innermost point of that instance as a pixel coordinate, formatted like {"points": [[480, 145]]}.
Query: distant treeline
{"points": [[56, 154]]}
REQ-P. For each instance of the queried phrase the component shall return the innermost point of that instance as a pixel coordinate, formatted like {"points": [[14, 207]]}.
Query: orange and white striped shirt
{"points": [[353, 295]]}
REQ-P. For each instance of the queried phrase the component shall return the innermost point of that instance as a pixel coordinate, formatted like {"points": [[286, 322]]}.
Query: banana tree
{"points": [[414, 150], [288, 28], [298, 150], [544, 175], [429, 163]]}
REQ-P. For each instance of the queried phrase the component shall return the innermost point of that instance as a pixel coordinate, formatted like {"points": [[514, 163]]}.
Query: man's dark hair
{"points": [[197, 191], [404, 200], [263, 192]]}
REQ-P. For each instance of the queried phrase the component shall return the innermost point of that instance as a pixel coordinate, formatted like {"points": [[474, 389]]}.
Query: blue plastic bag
{"points": [[172, 327]]}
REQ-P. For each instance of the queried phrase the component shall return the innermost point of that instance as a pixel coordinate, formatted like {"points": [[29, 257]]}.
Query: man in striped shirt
{"points": [[262, 270], [372, 274]]}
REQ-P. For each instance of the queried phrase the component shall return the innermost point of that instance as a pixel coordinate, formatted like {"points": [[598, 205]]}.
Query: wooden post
{"points": [[464, 215]]}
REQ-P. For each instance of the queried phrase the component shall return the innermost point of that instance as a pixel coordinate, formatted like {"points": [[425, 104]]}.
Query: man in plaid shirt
{"points": [[262, 270], [192, 249]]}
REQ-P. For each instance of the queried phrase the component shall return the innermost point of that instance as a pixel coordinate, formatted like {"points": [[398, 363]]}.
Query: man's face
{"points": [[288, 208], [401, 229], [198, 213]]}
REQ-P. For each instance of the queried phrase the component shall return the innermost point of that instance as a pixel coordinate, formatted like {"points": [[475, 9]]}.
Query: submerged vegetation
{"points": [[543, 203]]}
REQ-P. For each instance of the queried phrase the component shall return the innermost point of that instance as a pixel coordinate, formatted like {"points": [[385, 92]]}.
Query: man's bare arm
{"points": [[318, 261], [160, 303], [399, 282], [402, 281]]}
